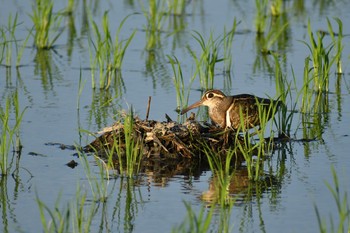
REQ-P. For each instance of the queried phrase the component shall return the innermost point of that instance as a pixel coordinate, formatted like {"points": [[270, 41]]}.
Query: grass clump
{"points": [[196, 222], [207, 60], [45, 23], [75, 216], [8, 40], [9, 133], [342, 222], [108, 53], [181, 94], [133, 149], [261, 15], [155, 16], [321, 60]]}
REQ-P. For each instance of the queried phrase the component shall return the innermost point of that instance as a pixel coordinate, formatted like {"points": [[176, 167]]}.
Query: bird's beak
{"points": [[195, 105]]}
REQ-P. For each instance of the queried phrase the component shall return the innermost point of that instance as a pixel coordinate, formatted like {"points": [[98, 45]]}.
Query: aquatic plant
{"points": [[249, 147], [45, 23], [206, 61], [341, 222], [8, 41], [9, 133], [337, 42], [196, 222], [133, 148], [283, 90], [227, 46], [75, 216], [182, 94], [98, 185], [261, 15], [107, 54], [207, 219], [321, 60], [155, 17]]}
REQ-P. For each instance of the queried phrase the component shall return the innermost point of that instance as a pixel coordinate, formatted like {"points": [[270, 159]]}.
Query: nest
{"points": [[167, 139]]}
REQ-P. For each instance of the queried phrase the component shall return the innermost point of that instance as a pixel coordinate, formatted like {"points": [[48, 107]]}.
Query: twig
{"points": [[148, 107]]}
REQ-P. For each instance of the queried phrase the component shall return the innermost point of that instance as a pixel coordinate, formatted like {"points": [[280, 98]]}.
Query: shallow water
{"points": [[48, 85]]}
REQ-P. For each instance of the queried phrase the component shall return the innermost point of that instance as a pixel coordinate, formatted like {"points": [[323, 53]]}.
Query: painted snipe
{"points": [[225, 110]]}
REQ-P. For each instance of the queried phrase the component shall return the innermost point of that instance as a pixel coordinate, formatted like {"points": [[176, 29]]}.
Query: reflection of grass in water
{"points": [[221, 167], [108, 53], [342, 221]]}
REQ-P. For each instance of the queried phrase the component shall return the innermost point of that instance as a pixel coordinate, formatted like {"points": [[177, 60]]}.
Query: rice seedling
{"points": [[45, 23], [59, 218], [98, 185], [283, 90], [321, 60], [341, 222], [75, 216], [106, 54], [133, 148], [206, 61], [182, 94], [9, 133], [249, 147], [261, 15], [155, 17], [227, 46], [337, 42], [196, 223], [208, 219], [8, 41]]}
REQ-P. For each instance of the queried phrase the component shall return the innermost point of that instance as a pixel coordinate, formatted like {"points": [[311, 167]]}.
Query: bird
{"points": [[225, 111]]}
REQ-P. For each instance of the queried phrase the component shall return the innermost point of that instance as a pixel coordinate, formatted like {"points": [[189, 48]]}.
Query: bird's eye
{"points": [[210, 95]]}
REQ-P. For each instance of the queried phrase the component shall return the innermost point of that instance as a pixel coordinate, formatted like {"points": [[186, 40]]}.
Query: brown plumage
{"points": [[225, 110]]}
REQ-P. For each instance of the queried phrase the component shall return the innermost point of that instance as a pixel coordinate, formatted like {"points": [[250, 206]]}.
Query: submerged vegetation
{"points": [[139, 153]]}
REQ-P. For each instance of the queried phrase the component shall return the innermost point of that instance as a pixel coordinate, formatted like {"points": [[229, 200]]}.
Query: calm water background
{"points": [[52, 115]]}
